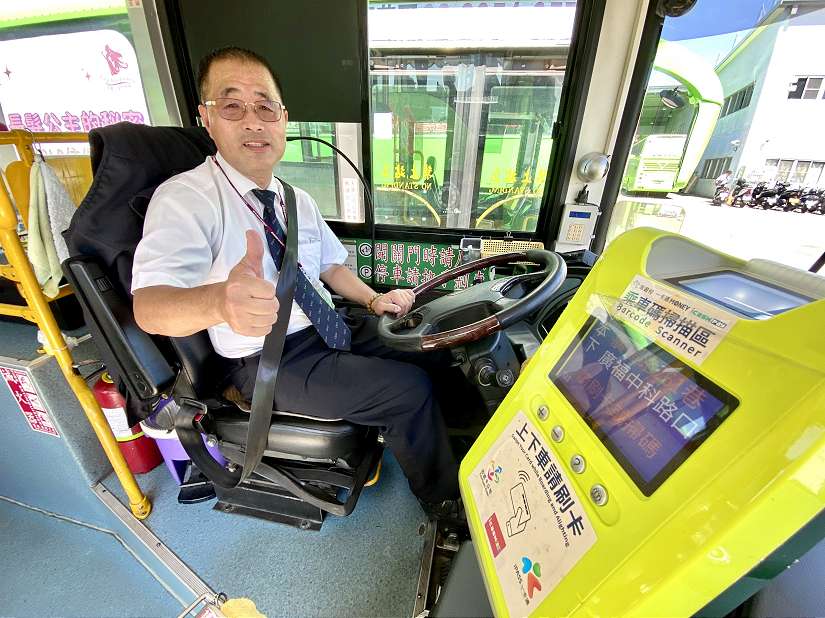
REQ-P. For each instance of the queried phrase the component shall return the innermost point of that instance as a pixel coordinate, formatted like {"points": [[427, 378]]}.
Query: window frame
{"points": [[739, 100], [581, 56], [802, 88]]}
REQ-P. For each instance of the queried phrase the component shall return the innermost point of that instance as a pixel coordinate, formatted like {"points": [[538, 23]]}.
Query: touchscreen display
{"points": [[749, 297], [647, 407]]}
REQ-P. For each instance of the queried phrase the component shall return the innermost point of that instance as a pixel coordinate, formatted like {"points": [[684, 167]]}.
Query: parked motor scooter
{"points": [[749, 195], [813, 201], [740, 188], [791, 200], [771, 198], [722, 193]]}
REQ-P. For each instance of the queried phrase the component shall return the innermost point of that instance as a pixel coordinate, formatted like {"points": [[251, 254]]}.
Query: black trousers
{"points": [[370, 385]]}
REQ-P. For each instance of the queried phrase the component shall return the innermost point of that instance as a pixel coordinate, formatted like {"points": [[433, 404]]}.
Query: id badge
{"points": [[322, 291]]}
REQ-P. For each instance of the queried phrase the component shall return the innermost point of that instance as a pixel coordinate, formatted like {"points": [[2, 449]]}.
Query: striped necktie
{"points": [[329, 324]]}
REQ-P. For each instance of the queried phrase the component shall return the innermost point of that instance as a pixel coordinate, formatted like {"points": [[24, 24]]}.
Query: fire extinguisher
{"points": [[140, 451]]}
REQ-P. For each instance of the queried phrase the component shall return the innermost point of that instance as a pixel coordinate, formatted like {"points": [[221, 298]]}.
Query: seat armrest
{"points": [[128, 352]]}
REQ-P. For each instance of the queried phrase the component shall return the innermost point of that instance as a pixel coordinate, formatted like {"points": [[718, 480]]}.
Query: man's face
{"points": [[250, 145]]}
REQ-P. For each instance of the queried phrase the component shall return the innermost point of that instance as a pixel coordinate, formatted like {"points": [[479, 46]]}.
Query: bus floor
{"points": [[363, 565], [52, 566]]}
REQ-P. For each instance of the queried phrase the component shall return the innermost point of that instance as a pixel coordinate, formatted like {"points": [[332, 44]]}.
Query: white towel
{"points": [[50, 210], [61, 209]]}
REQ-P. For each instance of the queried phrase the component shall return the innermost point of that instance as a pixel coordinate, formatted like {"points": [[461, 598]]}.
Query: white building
{"points": [[772, 126]]}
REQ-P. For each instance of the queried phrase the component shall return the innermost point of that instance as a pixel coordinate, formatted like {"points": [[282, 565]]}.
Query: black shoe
{"points": [[452, 510]]}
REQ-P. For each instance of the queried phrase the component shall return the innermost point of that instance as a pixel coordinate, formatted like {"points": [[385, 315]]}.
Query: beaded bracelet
{"points": [[370, 310]]}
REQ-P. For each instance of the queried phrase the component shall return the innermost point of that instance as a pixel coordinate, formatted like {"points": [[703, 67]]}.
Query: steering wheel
{"points": [[481, 309]]}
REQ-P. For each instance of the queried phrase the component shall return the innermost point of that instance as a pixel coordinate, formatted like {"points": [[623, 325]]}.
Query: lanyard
{"points": [[252, 208]]}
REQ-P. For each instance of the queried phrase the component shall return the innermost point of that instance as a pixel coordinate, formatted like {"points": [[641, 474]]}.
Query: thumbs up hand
{"points": [[249, 304]]}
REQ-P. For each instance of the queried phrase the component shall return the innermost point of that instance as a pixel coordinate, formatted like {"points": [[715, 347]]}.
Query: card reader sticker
{"points": [[535, 522]]}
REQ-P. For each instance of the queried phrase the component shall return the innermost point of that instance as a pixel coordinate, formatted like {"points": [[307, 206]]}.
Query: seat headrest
{"points": [[154, 154], [129, 161]]}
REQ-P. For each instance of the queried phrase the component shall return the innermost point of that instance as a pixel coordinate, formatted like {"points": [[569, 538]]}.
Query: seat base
{"points": [[260, 497], [264, 500]]}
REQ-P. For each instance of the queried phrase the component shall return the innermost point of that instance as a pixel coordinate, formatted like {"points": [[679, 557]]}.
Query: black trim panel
{"points": [[630, 120], [586, 31]]}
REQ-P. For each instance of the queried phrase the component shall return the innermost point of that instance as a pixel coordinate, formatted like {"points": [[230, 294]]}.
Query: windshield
{"points": [[730, 143]]}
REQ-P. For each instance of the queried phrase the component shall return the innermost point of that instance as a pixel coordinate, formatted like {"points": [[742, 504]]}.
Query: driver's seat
{"points": [[307, 462]]}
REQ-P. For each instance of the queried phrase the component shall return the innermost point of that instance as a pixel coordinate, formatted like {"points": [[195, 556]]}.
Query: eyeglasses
{"points": [[235, 109]]}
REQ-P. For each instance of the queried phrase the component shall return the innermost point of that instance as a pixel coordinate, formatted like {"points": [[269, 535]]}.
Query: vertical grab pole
{"points": [[17, 258]]}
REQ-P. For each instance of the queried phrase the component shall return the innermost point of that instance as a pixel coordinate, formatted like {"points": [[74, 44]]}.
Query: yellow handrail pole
{"points": [[16, 256], [25, 140]]}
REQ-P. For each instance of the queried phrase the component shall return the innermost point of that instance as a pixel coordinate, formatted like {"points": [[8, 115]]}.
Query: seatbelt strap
{"points": [[188, 428], [188, 420], [263, 395]]}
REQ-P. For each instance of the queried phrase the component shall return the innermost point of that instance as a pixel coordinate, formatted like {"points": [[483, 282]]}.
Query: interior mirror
{"points": [[593, 166]]}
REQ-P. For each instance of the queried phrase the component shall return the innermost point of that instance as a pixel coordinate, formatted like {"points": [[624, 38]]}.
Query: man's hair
{"points": [[232, 53]]}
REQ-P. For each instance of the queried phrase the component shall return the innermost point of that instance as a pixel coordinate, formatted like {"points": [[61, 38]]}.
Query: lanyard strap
{"points": [[252, 208]]}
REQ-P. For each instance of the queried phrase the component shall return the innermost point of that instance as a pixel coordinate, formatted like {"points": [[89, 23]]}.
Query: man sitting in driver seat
{"points": [[207, 260]]}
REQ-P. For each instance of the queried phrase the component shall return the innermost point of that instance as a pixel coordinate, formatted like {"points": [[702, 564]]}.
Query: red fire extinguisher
{"points": [[140, 451]]}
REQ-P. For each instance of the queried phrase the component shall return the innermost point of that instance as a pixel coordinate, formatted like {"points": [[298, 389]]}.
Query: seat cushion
{"points": [[299, 436]]}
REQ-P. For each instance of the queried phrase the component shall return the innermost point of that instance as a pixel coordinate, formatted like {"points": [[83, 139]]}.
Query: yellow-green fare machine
{"points": [[667, 436]]}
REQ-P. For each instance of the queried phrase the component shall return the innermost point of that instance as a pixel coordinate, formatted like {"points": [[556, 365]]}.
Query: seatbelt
{"points": [[263, 395], [192, 412]]}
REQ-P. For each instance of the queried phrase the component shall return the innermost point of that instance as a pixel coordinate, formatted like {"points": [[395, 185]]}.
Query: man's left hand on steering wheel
{"points": [[398, 302]]}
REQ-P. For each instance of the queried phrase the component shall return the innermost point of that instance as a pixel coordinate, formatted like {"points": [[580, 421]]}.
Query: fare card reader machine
{"points": [[667, 436]]}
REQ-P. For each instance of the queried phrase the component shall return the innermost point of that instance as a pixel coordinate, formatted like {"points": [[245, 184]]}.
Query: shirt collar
{"points": [[244, 184]]}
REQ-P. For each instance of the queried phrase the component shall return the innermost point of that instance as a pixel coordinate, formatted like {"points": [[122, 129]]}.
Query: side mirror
{"points": [[672, 98], [674, 8]]}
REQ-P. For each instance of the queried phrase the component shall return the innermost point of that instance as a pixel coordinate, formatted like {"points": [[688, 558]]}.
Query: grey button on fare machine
{"points": [[598, 494], [577, 464], [557, 433]]}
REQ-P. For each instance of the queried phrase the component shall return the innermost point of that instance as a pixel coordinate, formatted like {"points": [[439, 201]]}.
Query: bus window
{"points": [[517, 144], [318, 170], [730, 128], [410, 144], [462, 138], [69, 72], [658, 149]]}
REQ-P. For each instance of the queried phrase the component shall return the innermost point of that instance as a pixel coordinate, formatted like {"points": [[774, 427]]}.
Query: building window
{"points": [[806, 87], [795, 172], [738, 100], [713, 168], [800, 171]]}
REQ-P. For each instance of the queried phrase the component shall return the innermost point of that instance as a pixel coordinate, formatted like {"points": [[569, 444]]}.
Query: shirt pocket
{"points": [[309, 253]]}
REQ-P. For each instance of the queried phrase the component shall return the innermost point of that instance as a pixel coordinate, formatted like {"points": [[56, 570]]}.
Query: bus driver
{"points": [[207, 260]]}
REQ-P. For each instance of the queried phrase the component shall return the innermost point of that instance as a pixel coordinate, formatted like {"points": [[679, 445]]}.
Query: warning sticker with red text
{"points": [[28, 400]]}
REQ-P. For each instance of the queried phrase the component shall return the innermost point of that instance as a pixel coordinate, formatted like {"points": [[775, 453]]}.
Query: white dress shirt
{"points": [[195, 233]]}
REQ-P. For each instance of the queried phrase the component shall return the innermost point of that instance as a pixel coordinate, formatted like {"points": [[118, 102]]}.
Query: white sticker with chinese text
{"points": [[352, 259], [535, 524], [118, 422], [683, 324]]}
